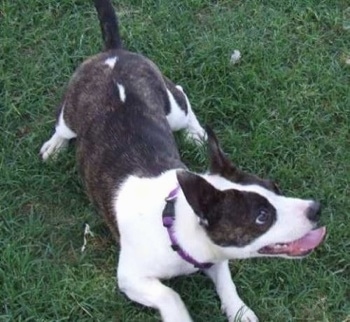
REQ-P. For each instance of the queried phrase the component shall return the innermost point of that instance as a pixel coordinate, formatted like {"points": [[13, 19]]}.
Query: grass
{"points": [[282, 112]]}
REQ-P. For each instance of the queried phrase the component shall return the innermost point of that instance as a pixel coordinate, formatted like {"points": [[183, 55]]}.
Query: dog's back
{"points": [[115, 104]]}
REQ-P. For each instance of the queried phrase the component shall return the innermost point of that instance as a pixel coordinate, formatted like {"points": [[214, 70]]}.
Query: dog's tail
{"points": [[109, 24]]}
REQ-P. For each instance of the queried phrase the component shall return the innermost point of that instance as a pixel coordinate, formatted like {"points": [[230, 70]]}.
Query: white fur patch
{"points": [[111, 61], [195, 132], [122, 94], [177, 118], [59, 139], [53, 146], [63, 130]]}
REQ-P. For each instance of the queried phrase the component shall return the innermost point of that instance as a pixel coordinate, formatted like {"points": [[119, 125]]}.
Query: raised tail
{"points": [[109, 24]]}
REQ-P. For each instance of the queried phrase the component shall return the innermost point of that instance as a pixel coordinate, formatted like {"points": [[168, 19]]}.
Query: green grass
{"points": [[282, 112]]}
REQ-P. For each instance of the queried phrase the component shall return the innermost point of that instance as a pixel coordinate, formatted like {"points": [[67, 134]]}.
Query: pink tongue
{"points": [[310, 241]]}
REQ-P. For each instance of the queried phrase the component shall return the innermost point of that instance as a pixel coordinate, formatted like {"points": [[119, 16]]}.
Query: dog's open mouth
{"points": [[299, 247]]}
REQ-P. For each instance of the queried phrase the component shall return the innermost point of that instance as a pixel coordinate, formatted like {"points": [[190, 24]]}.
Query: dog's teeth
{"points": [[280, 245]]}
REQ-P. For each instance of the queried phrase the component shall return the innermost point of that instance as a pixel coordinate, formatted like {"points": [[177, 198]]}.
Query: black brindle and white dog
{"points": [[169, 221]]}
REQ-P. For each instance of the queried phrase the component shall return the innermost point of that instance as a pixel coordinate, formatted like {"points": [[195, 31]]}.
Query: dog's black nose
{"points": [[314, 211]]}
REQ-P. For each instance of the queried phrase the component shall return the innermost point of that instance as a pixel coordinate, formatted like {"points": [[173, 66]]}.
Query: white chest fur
{"points": [[143, 238]]}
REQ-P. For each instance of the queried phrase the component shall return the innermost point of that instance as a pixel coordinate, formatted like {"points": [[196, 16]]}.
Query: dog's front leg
{"points": [[151, 292], [231, 303]]}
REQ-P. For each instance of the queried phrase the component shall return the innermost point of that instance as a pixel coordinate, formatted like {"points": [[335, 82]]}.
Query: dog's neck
{"points": [[191, 235], [169, 218]]}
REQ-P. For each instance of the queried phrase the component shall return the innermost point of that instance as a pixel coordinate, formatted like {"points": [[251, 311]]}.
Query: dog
{"points": [[168, 220]]}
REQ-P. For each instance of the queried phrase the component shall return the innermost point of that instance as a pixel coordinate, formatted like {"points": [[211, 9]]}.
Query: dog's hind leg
{"points": [[231, 303], [181, 116], [59, 140], [194, 130]]}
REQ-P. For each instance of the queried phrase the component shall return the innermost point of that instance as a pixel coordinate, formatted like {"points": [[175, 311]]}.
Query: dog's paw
{"points": [[248, 316], [243, 314], [51, 147], [197, 137]]}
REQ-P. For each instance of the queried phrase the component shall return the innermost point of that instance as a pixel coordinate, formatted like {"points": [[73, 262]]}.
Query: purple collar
{"points": [[168, 222]]}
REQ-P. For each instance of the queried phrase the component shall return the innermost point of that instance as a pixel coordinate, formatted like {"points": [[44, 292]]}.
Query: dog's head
{"points": [[247, 216]]}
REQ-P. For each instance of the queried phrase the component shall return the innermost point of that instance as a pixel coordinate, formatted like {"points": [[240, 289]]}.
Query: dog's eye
{"points": [[262, 217]]}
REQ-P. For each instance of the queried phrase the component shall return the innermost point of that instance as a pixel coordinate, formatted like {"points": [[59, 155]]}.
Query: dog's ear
{"points": [[201, 195], [219, 162]]}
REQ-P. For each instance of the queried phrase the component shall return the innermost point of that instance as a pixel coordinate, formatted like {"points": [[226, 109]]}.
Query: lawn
{"points": [[281, 112]]}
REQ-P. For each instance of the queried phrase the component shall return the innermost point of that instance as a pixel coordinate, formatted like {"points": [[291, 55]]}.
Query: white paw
{"points": [[248, 316], [51, 147], [198, 137], [243, 314]]}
